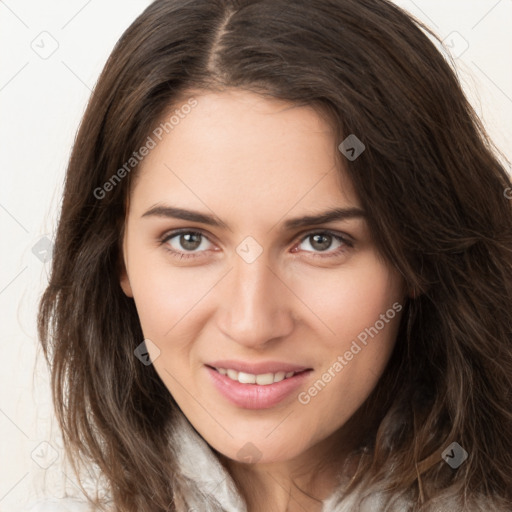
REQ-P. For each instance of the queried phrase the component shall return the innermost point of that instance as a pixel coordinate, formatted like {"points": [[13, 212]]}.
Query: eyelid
{"points": [[300, 236], [314, 231], [179, 231], [346, 240], [181, 255]]}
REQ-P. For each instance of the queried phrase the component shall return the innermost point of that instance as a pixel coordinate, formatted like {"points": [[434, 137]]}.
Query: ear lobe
{"points": [[124, 281]]}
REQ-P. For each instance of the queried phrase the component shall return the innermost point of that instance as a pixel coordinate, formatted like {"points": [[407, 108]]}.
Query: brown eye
{"points": [[184, 242], [324, 242], [321, 242], [190, 241]]}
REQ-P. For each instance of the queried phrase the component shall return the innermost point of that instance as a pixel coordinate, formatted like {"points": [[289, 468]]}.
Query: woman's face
{"points": [[237, 286]]}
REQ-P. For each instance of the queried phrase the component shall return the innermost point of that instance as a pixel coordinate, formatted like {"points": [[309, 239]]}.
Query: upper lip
{"points": [[258, 368]]}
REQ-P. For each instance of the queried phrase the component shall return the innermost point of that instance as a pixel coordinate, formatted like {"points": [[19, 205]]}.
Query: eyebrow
{"points": [[297, 222]]}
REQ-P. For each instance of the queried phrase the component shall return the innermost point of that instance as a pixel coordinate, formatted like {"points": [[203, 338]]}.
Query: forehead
{"points": [[247, 152]]}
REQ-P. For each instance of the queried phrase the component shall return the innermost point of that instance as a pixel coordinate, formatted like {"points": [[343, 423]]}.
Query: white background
{"points": [[42, 101]]}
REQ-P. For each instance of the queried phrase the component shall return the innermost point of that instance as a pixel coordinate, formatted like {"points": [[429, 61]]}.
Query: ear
{"points": [[124, 280]]}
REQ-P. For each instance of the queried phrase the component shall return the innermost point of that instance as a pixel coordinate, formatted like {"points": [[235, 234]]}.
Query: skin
{"points": [[254, 163]]}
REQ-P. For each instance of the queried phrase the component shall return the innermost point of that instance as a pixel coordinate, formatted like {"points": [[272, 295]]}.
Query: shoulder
{"points": [[378, 500], [61, 505]]}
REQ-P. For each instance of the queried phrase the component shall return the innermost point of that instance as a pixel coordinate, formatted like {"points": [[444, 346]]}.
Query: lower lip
{"points": [[255, 396]]}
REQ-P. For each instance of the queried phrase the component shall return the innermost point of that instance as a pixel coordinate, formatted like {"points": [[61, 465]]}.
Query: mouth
{"points": [[257, 386], [261, 379]]}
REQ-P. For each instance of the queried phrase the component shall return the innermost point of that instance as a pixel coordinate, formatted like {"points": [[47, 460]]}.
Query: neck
{"points": [[295, 485]]}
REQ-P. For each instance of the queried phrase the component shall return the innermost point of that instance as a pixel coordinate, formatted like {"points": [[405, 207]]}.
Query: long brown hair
{"points": [[428, 178]]}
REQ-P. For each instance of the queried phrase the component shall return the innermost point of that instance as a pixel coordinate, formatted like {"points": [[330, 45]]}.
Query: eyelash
{"points": [[184, 255]]}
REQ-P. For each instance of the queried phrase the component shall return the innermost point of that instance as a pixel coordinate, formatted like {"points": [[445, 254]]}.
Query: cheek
{"points": [[356, 355], [350, 300], [350, 373], [167, 302], [165, 297]]}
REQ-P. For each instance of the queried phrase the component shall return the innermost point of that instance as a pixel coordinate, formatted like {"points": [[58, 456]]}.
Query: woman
{"points": [[281, 277]]}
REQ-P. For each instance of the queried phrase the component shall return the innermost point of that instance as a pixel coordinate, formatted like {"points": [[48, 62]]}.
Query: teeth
{"points": [[232, 374], [246, 378], [279, 376], [263, 379]]}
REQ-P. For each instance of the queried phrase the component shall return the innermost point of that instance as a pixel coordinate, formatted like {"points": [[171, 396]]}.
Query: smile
{"points": [[262, 388], [262, 379]]}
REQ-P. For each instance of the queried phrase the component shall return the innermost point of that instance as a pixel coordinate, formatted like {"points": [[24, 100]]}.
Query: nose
{"points": [[256, 305]]}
